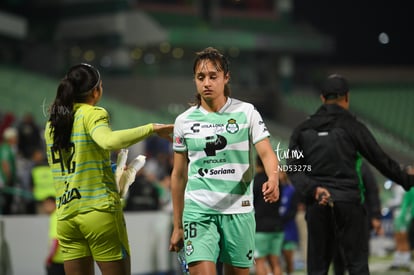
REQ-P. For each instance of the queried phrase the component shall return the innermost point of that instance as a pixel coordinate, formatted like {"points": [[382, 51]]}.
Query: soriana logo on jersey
{"points": [[216, 171]]}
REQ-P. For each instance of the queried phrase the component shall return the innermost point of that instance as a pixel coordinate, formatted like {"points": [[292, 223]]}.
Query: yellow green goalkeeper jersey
{"points": [[83, 177]]}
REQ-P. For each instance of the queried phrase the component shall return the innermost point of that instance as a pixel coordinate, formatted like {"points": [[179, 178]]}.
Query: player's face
{"points": [[210, 81], [97, 94]]}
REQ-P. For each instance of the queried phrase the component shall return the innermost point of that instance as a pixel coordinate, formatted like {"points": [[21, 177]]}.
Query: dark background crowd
{"points": [[25, 177]]}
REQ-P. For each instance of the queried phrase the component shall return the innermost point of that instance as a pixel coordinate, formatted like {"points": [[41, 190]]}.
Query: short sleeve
{"points": [[95, 118], [258, 129], [179, 143]]}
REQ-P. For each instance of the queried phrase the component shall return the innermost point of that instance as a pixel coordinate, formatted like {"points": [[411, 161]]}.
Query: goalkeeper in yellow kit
{"points": [[91, 225]]}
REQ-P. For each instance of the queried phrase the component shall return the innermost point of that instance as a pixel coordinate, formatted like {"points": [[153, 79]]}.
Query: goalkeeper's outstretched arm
{"points": [[114, 140]]}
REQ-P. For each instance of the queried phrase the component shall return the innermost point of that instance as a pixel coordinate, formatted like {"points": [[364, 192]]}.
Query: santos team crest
{"points": [[232, 126], [189, 249]]}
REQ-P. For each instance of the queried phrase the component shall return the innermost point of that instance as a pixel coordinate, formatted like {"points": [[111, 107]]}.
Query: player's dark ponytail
{"points": [[75, 87]]}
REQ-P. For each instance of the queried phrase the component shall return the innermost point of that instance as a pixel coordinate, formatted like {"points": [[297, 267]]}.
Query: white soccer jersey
{"points": [[219, 147]]}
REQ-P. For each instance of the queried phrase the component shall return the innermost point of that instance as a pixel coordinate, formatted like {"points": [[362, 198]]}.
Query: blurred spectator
{"points": [[159, 158], [269, 227], [54, 259], [41, 182], [397, 193], [143, 194], [302, 232], [6, 121], [411, 226], [24, 184], [288, 209], [157, 167], [402, 254], [8, 149], [5, 258], [29, 136], [372, 200], [164, 193], [393, 204], [155, 145]]}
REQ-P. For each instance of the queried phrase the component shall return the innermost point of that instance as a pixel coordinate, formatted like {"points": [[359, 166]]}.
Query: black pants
{"points": [[343, 225], [339, 264], [55, 269]]}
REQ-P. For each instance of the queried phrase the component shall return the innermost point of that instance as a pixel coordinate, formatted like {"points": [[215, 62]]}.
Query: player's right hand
{"points": [[177, 240], [164, 130]]}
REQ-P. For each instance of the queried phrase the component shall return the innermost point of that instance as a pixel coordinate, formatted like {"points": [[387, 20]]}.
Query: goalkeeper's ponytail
{"points": [[75, 87]]}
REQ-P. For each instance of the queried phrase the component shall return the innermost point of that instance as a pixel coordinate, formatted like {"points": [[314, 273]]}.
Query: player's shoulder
{"points": [[184, 115], [91, 108], [87, 108], [90, 111], [350, 121], [240, 104]]}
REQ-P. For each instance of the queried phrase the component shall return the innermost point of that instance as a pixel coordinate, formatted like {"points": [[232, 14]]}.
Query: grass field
{"points": [[377, 265]]}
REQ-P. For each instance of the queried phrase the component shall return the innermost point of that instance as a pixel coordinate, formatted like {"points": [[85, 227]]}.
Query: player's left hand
{"points": [[270, 191]]}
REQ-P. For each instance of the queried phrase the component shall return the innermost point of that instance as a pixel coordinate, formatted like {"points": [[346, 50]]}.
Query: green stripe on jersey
{"points": [[220, 151]]}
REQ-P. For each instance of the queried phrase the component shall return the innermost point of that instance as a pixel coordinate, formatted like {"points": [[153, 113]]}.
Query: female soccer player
{"points": [[212, 177], [91, 224]]}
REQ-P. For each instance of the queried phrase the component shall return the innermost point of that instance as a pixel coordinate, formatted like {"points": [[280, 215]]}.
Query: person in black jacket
{"points": [[325, 153]]}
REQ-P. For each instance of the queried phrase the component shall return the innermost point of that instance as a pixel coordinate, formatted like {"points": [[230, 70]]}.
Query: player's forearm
{"points": [[113, 140], [177, 193], [270, 163], [178, 209]]}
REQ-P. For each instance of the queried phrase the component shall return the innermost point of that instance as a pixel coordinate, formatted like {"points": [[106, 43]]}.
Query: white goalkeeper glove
{"points": [[129, 174], [120, 165]]}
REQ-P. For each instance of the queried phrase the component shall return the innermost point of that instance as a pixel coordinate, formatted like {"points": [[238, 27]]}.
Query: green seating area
{"points": [[385, 109], [389, 107], [22, 92]]}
